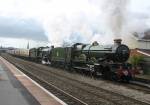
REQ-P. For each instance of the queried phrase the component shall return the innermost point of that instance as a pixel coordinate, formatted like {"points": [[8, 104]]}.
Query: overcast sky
{"points": [[55, 21]]}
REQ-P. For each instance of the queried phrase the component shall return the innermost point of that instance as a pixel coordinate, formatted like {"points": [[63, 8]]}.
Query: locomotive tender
{"points": [[106, 60]]}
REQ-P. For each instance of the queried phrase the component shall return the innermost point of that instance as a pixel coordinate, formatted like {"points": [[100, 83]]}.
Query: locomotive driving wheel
{"points": [[97, 70], [106, 73]]}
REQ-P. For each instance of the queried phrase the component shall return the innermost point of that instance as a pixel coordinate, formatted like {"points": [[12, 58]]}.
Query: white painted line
{"points": [[56, 98], [22, 74], [19, 75], [143, 53]]}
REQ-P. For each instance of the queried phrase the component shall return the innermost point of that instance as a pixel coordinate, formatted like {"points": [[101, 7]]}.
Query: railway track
{"points": [[69, 99], [71, 91]]}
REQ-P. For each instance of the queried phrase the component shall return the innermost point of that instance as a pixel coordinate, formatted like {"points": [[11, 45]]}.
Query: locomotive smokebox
{"points": [[117, 41]]}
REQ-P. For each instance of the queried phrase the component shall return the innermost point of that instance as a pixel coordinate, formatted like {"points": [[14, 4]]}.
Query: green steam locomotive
{"points": [[108, 61]]}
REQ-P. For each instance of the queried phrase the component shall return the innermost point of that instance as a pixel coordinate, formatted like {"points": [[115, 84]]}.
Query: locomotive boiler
{"points": [[117, 52]]}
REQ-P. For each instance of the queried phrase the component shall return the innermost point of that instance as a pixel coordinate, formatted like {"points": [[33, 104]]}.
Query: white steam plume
{"points": [[73, 20], [86, 21], [115, 12], [76, 20]]}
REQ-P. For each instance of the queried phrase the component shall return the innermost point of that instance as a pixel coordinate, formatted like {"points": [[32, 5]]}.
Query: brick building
{"points": [[140, 45], [146, 61]]}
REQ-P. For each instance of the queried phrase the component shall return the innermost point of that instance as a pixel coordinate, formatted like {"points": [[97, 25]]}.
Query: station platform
{"points": [[143, 78], [18, 89]]}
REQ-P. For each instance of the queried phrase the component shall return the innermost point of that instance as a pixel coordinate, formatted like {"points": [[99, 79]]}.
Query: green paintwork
{"points": [[68, 51], [146, 66], [94, 51], [58, 54], [36, 52]]}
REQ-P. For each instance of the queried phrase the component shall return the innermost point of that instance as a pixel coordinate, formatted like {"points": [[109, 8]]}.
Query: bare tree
{"points": [[66, 44]]}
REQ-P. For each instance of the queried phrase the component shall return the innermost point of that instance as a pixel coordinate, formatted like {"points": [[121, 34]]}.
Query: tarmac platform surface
{"points": [[12, 92], [17, 89]]}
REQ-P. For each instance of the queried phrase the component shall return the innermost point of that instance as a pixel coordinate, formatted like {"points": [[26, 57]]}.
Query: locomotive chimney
{"points": [[117, 41], [52, 46]]}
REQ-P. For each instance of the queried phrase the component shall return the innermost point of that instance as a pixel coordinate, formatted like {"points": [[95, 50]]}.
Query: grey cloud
{"points": [[21, 28]]}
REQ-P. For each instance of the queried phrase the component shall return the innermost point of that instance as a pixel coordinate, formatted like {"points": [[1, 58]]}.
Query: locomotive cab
{"points": [[46, 55]]}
